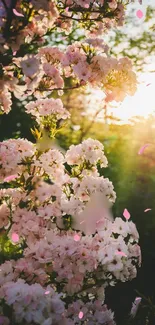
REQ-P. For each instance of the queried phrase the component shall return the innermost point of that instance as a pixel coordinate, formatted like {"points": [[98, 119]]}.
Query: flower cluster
{"points": [[33, 303], [89, 151], [30, 22], [12, 153], [45, 109], [55, 206], [91, 313], [43, 211], [74, 261], [50, 69]]}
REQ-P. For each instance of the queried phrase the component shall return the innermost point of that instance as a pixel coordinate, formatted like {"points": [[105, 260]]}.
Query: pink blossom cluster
{"points": [[60, 14], [89, 151], [58, 253], [48, 70], [75, 261], [90, 313], [44, 13], [33, 303], [12, 153], [85, 63], [48, 107], [74, 199], [68, 195], [54, 206]]}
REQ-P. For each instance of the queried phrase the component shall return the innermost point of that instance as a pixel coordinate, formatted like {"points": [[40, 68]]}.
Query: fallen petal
{"points": [[76, 237], [121, 254], [16, 13], [143, 148], [80, 314], [10, 178], [126, 214], [15, 237], [139, 14]]}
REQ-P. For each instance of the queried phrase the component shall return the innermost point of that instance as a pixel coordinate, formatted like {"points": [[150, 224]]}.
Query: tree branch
{"points": [[80, 19], [5, 6], [65, 89]]}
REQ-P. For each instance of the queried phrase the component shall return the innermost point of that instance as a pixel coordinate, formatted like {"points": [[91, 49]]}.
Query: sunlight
{"points": [[141, 104]]}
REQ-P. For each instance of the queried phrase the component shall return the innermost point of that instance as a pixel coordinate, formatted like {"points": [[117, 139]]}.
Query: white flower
{"points": [[120, 227], [133, 231]]}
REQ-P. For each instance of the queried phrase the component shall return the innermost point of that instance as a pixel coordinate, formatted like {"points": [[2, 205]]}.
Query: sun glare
{"points": [[141, 104]]}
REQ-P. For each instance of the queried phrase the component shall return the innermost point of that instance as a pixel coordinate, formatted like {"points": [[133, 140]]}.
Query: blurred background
{"points": [[123, 129]]}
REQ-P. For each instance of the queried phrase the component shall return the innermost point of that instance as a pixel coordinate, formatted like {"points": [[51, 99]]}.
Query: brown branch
{"points": [[86, 10], [80, 19], [101, 12], [65, 89]]}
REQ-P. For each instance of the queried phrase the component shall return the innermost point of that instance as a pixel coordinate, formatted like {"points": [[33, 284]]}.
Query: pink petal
{"points": [[76, 237], [80, 314], [143, 148], [15, 237], [148, 85], [121, 254], [139, 14], [10, 178], [67, 9], [16, 13], [47, 292], [126, 214], [86, 6], [138, 299], [147, 210]]}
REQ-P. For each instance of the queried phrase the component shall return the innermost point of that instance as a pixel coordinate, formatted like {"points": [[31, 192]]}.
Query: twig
{"points": [[5, 6], [67, 88], [80, 19], [90, 125]]}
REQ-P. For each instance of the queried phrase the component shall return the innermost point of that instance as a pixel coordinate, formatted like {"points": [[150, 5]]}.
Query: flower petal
{"points": [[126, 214], [15, 237], [146, 210], [139, 13], [16, 13], [80, 314], [143, 148]]}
